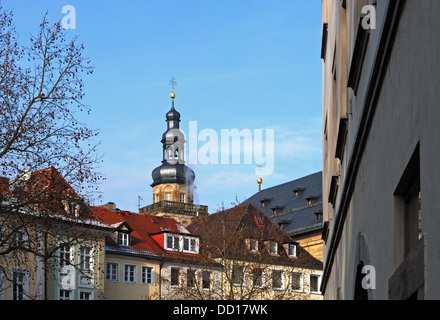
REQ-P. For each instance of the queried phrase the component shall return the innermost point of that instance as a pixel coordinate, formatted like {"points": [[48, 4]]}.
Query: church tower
{"points": [[173, 181]]}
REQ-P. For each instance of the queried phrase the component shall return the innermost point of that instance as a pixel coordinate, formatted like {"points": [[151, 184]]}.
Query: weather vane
{"points": [[172, 83]]}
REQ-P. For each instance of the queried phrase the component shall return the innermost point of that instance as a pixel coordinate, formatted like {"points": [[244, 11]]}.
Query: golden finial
{"points": [[172, 83], [259, 180]]}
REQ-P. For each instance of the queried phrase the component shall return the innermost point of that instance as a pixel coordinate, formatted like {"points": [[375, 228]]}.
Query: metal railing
{"points": [[175, 207]]}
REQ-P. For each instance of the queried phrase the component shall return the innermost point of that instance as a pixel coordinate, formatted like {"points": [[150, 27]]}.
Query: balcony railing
{"points": [[182, 208]]}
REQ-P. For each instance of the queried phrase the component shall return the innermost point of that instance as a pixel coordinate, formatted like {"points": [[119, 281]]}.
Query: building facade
{"points": [[150, 258], [259, 260], [296, 206], [380, 149]]}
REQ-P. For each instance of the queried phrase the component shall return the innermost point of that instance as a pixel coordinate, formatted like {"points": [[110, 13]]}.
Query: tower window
{"points": [[168, 196], [182, 197]]}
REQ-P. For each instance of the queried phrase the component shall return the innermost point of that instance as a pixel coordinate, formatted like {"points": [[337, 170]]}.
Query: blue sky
{"points": [[238, 65]]}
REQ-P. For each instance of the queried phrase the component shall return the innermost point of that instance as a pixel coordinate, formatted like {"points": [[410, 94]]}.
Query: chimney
{"points": [[110, 205]]}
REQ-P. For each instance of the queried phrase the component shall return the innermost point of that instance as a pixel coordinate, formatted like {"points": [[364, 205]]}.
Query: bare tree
{"points": [[48, 162], [258, 260]]}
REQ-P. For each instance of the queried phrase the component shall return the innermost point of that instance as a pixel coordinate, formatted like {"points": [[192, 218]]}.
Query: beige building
{"points": [[381, 147]]}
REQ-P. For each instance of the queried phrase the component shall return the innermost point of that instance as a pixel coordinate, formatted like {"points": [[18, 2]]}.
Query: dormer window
{"points": [[123, 238], [264, 201], [297, 192], [318, 215], [276, 209], [292, 250], [311, 200], [253, 245], [186, 244], [273, 248]]}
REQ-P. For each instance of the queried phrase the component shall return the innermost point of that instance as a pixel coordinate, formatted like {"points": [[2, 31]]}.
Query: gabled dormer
{"points": [[122, 234]]}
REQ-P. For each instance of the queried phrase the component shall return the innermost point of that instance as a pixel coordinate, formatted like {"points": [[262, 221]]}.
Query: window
{"points": [[292, 250], [19, 239], [172, 242], [65, 294], [315, 282], [72, 209], [193, 245], [206, 280], [297, 281], [112, 271], [277, 280], [237, 275], [130, 273], [179, 243], [157, 198], [19, 285], [175, 276], [84, 295], [254, 245], [123, 239], [273, 248], [190, 278], [64, 255], [147, 275], [257, 277], [182, 197], [185, 244], [84, 256], [168, 196]]}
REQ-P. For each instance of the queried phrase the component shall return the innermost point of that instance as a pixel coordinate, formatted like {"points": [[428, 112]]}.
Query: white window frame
{"points": [[301, 274], [86, 259], [123, 238], [24, 283], [116, 265], [67, 291], [292, 245], [144, 275], [178, 243], [65, 255], [276, 248], [20, 239], [129, 265], [283, 280], [86, 292], [319, 283], [251, 242]]}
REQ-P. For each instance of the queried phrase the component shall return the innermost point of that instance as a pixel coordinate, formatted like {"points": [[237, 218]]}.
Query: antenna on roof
{"points": [[139, 202]]}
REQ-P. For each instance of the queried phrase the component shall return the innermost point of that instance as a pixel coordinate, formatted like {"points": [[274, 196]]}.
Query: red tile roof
{"points": [[144, 227]]}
